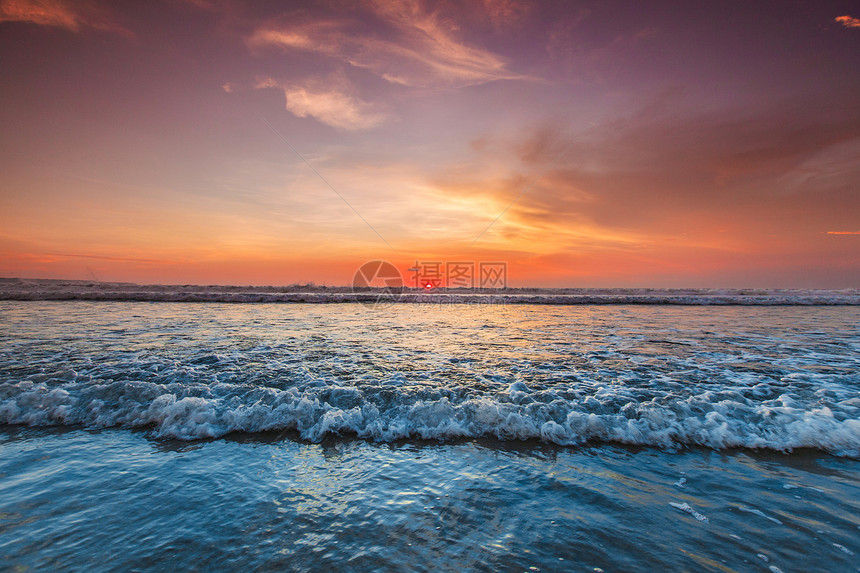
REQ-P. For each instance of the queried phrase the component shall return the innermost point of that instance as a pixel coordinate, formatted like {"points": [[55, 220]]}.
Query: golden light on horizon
{"points": [[307, 141]]}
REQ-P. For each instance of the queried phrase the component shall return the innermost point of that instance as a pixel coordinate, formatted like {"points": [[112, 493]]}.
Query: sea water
{"points": [[208, 436]]}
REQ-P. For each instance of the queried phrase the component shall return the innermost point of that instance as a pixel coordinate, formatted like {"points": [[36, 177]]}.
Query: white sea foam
{"points": [[759, 513], [720, 379], [192, 410], [685, 507], [843, 549], [34, 289]]}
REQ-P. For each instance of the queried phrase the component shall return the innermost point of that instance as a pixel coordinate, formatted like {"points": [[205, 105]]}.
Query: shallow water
{"points": [[491, 438], [776, 377], [120, 501]]}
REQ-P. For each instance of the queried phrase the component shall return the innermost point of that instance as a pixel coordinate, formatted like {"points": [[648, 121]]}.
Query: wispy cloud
{"points": [[843, 232], [72, 16], [658, 176], [848, 21], [44, 12], [117, 259], [419, 49], [327, 101], [506, 13]]}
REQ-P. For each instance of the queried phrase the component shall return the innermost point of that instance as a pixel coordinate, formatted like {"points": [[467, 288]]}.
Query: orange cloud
{"points": [[42, 12], [58, 13], [327, 101], [843, 232], [422, 51], [332, 108], [848, 21], [719, 183]]}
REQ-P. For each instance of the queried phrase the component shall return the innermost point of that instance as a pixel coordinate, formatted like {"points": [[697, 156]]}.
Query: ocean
{"points": [[479, 436]]}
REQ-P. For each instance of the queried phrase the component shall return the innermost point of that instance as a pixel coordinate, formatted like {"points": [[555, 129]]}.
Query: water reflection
{"points": [[562, 374]]}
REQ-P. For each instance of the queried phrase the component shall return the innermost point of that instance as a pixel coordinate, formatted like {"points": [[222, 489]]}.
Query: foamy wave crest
{"points": [[390, 412], [36, 289]]}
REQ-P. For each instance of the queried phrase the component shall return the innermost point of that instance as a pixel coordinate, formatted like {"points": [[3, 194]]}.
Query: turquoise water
{"points": [[151, 436]]}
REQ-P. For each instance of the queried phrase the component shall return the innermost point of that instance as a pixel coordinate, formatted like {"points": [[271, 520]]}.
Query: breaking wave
{"points": [[776, 378], [35, 289], [724, 419]]}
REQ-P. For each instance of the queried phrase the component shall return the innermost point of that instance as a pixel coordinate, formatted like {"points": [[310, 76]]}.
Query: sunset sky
{"points": [[653, 144]]}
